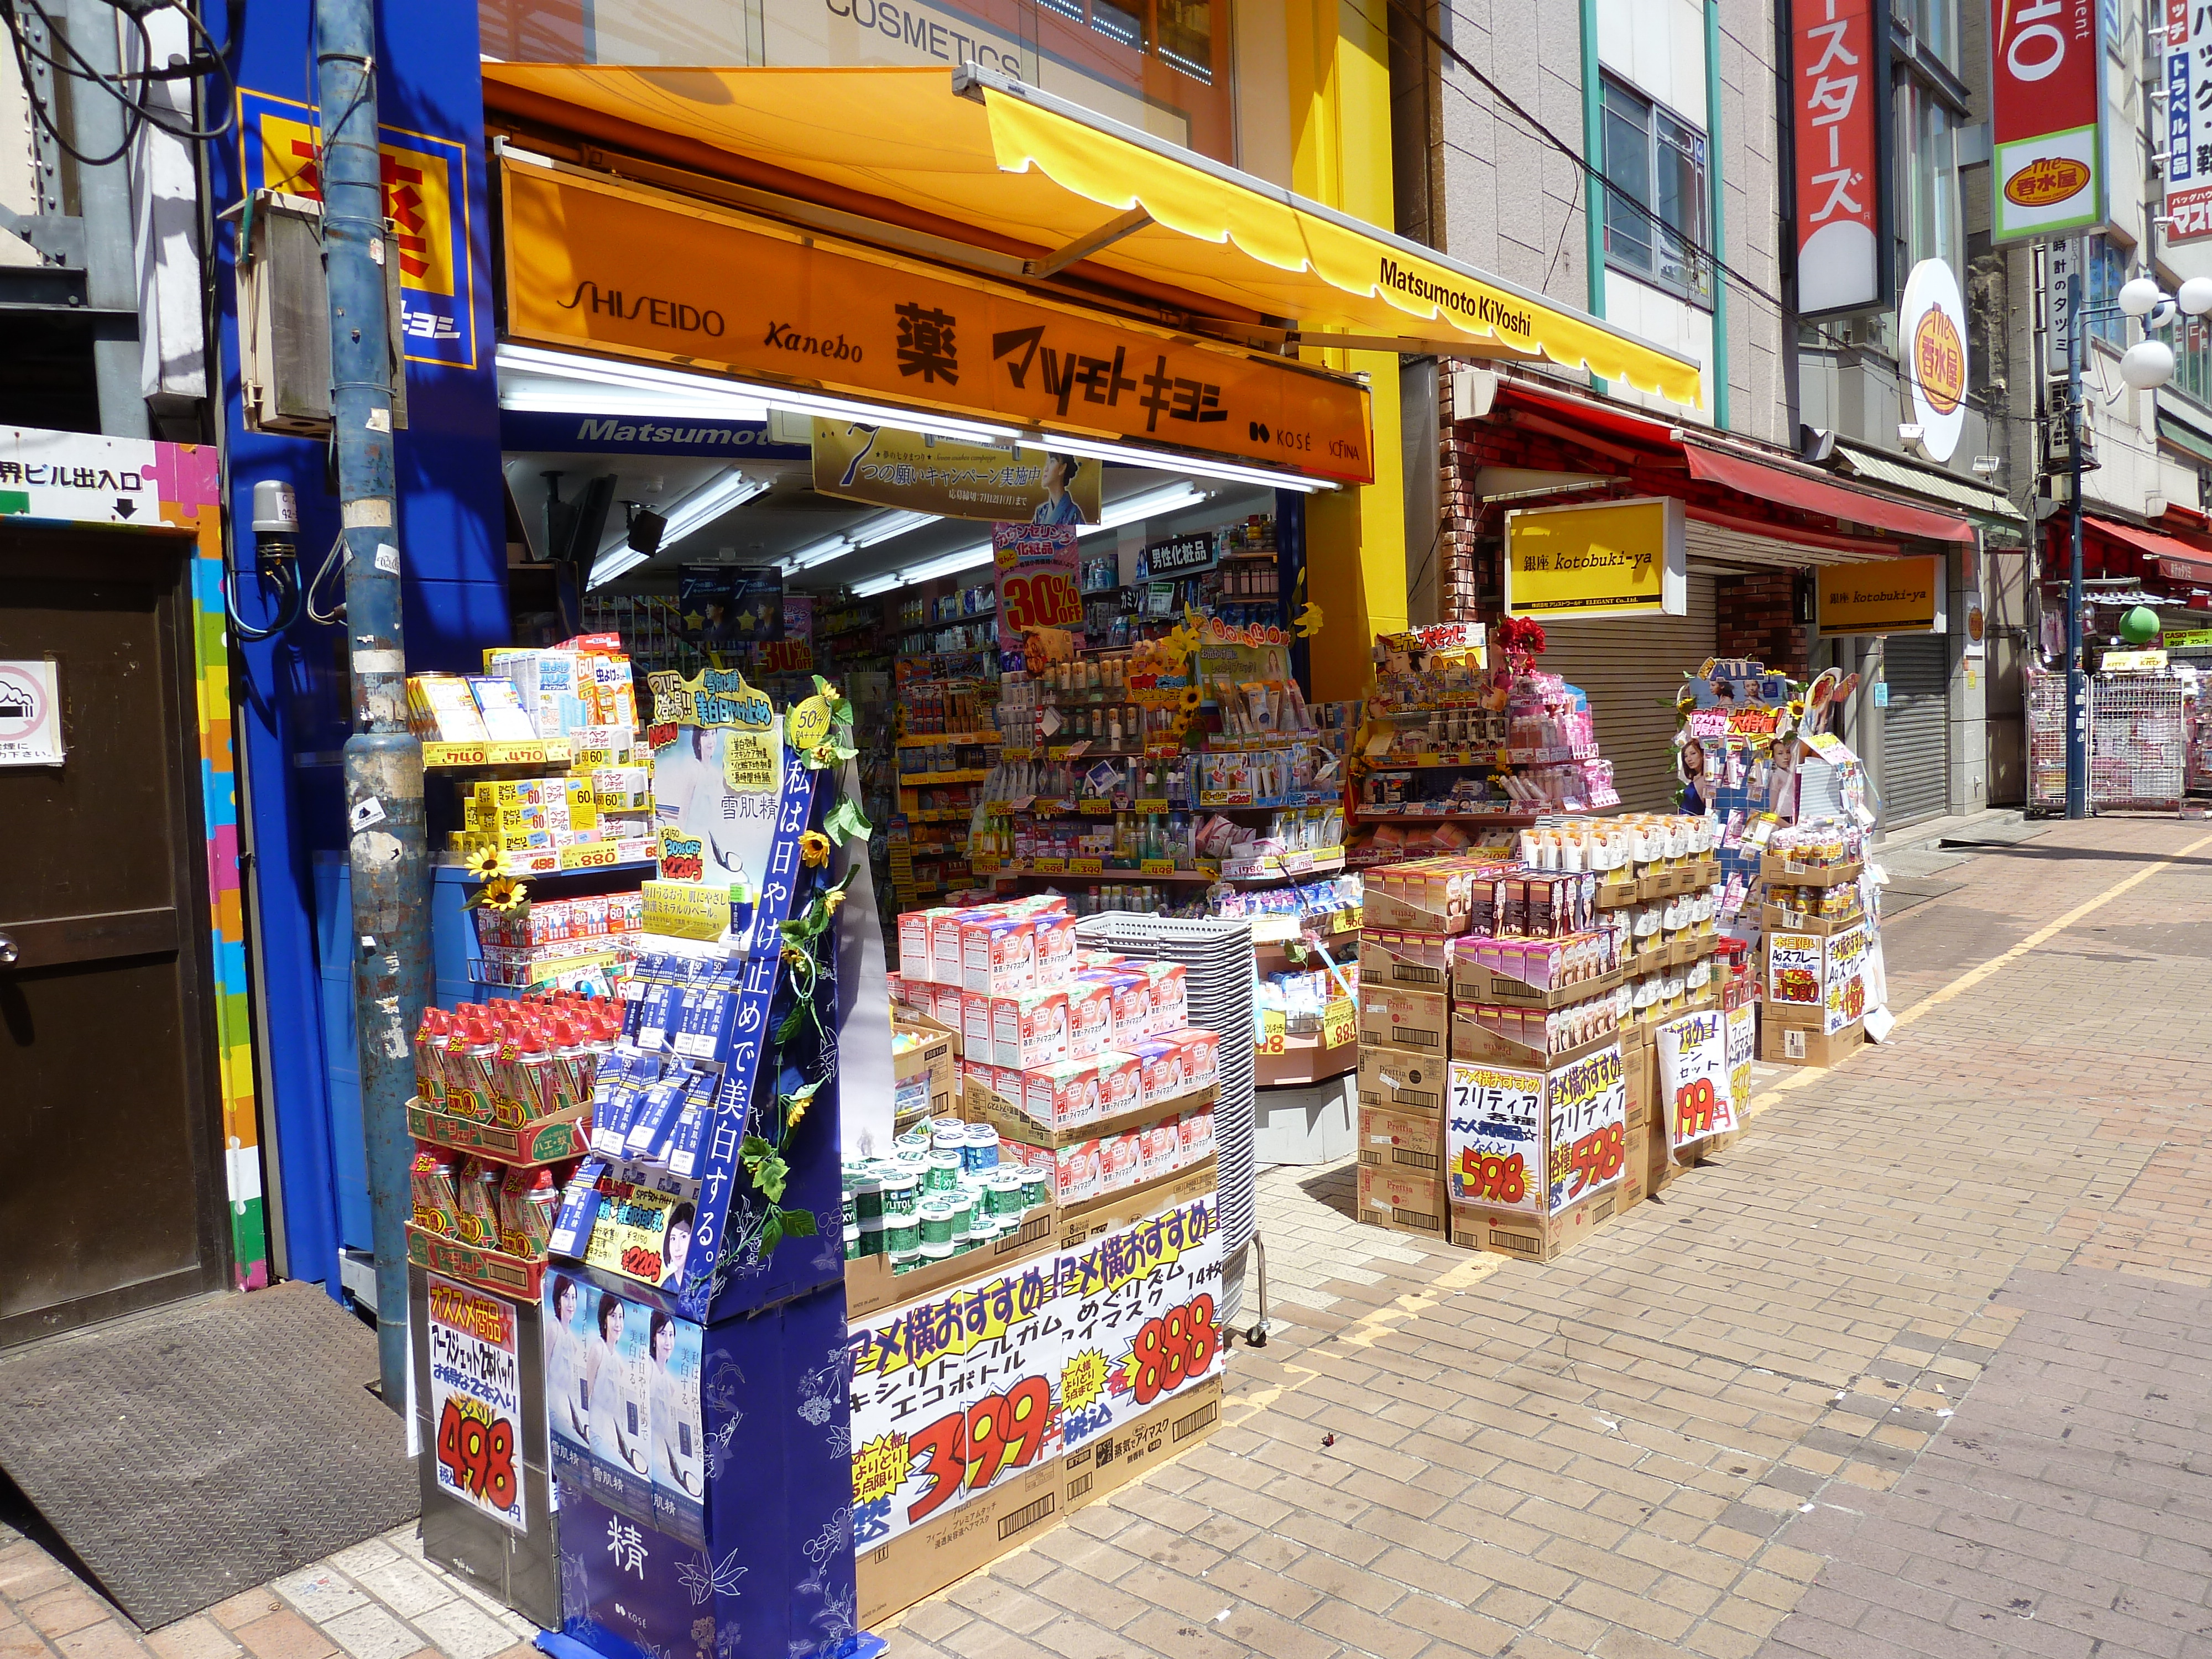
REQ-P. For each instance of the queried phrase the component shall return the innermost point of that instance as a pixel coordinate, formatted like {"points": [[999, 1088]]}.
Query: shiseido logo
{"points": [[661, 313]]}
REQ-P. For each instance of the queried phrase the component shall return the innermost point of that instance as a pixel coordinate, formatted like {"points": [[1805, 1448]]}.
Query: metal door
{"points": [[1916, 729], [111, 1155]]}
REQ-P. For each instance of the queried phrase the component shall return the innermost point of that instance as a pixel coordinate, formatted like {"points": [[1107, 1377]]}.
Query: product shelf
{"points": [[926, 779], [1090, 867], [1229, 800], [473, 1264], [936, 740], [466, 756], [1280, 866], [600, 856]]}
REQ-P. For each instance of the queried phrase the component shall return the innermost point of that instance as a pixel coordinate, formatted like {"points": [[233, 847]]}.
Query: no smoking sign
{"points": [[30, 715]]}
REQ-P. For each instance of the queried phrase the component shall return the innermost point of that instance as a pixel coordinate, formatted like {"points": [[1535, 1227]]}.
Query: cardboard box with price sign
{"points": [[1533, 1157]]}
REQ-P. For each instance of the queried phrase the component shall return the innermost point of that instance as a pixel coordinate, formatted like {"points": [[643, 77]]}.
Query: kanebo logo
{"points": [[2035, 46]]}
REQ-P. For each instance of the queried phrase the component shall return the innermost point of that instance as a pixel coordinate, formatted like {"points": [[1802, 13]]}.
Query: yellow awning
{"points": [[1030, 170]]}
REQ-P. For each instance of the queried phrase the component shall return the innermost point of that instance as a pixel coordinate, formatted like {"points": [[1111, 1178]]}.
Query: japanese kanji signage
{"points": [[1695, 1085], [475, 1400], [30, 713], [966, 1389], [425, 197], [2187, 120], [1536, 1141], [1040, 582], [1838, 103], [2046, 108], [590, 263], [77, 478], [1932, 333]]}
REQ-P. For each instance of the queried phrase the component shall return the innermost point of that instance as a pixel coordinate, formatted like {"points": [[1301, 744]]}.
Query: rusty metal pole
{"points": [[386, 836]]}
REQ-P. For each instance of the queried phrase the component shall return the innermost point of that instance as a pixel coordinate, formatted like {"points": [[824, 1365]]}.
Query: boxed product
{"points": [[505, 719], [1024, 1030], [1401, 1140], [1807, 1045], [1053, 952], [1161, 1060], [1390, 955], [1407, 1200], [1201, 1053], [1062, 1095], [997, 955], [1430, 895], [1513, 1036], [1816, 979], [1530, 1237], [441, 709], [1089, 1014], [1167, 983], [1120, 1082], [1133, 1006], [1398, 1018], [1401, 1079]]}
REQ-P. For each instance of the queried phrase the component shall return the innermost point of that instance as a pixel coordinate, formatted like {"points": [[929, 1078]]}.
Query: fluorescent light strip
{"points": [[608, 566], [698, 391], [693, 513], [1148, 505], [968, 558]]}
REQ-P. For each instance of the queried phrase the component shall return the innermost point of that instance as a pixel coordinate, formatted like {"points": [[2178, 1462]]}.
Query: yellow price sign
{"points": [[1158, 866], [1086, 866], [1339, 1022], [1273, 1031], [590, 855], [1095, 806], [683, 910], [1048, 867], [807, 726]]}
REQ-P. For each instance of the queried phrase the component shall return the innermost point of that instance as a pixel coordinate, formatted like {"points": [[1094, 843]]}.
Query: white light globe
{"points": [[2196, 295], [2138, 296], [2148, 363]]}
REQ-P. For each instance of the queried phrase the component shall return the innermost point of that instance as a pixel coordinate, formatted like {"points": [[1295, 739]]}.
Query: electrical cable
{"points": [[337, 613], [138, 110], [288, 607]]}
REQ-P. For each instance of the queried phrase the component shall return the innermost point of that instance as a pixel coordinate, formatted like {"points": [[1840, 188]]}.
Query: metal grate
{"points": [[2047, 738], [2135, 741], [1217, 956]]}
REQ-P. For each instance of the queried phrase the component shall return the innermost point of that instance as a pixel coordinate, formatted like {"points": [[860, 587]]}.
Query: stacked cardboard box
{"points": [[1813, 962]]}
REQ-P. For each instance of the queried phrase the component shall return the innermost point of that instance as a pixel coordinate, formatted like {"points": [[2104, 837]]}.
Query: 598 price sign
{"points": [[475, 1400]]}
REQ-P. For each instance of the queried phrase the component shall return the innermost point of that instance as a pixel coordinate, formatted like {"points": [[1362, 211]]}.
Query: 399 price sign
{"points": [[475, 1400]]}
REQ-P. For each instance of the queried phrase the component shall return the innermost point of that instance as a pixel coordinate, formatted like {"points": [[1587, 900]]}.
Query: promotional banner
{"points": [[475, 1400], [1794, 969], [718, 762], [1694, 1079], [1586, 1123], [599, 1387], [1618, 559], [1837, 103], [1040, 582], [1742, 1049], [1843, 993], [2188, 168], [2046, 108], [719, 606], [1493, 1136], [922, 474], [679, 1461], [959, 1392]]}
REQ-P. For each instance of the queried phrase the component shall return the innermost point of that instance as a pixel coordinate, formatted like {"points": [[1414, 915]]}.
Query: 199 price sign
{"points": [[475, 1400]]}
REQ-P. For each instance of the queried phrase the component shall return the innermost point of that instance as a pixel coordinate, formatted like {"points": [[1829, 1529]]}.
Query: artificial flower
{"points": [[504, 893], [831, 900], [794, 955], [1192, 697], [823, 755], [798, 1110], [484, 865], [813, 848]]}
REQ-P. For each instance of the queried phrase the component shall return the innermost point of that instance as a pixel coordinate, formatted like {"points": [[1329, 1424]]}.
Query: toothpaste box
{"points": [[1120, 1082], [1054, 951], [1090, 1015], [997, 955], [1062, 1095], [1169, 983]]}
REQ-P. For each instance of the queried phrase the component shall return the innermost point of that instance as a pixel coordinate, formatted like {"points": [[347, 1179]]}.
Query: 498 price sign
{"points": [[475, 1400]]}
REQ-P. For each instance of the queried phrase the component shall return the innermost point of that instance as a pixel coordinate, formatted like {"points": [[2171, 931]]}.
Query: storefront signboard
{"points": [[1932, 325], [1180, 556], [1837, 115], [2046, 109], [475, 1401], [920, 473], [2188, 168], [594, 264], [1882, 595], [1611, 559]]}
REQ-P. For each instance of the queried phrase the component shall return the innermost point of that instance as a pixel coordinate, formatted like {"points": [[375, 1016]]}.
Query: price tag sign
{"points": [[1048, 867], [1273, 1031], [590, 855], [1094, 807], [1085, 867], [1157, 867], [1152, 806], [1339, 1022], [475, 1400]]}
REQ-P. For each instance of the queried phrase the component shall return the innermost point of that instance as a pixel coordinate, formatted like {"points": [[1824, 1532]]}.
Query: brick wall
{"points": [[1758, 618]]}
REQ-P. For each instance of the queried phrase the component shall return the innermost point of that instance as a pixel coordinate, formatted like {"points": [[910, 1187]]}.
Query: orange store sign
{"points": [[597, 264]]}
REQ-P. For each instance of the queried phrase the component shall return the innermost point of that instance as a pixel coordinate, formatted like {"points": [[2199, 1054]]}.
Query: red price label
{"points": [[1598, 1157], [1694, 1106], [1498, 1177], [478, 1457], [974, 1448], [1041, 598], [1172, 1349]]}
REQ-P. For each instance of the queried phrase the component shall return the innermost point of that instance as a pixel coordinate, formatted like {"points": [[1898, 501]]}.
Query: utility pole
{"points": [[2077, 710], [387, 838]]}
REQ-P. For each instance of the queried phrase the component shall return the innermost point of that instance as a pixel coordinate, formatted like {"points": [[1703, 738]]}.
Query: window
{"points": [[1927, 168], [1657, 163], [2191, 340], [1934, 25], [2108, 269]]}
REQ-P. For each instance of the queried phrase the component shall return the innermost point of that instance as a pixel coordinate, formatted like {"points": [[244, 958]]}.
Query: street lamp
{"points": [[2145, 366]]}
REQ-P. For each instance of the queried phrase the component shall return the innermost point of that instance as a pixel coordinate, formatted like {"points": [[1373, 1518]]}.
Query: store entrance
{"points": [[108, 1128]]}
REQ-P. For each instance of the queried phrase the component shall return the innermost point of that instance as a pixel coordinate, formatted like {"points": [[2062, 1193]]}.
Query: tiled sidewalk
{"points": [[1650, 1446]]}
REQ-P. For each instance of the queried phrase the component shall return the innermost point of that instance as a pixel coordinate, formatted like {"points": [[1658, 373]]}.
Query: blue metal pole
{"points": [[387, 838], [2077, 713]]}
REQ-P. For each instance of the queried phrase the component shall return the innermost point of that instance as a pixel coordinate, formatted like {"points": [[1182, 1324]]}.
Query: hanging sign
{"points": [[1179, 556], [1882, 595], [1613, 559], [2046, 108], [1039, 582], [30, 713], [920, 473], [592, 263], [475, 1400], [1932, 325], [1837, 108]]}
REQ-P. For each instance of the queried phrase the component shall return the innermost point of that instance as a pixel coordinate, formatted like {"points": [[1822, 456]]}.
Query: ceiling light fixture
{"points": [[693, 513]]}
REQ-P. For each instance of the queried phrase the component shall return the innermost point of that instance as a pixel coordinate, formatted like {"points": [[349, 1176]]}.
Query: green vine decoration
{"points": [[765, 1167]]}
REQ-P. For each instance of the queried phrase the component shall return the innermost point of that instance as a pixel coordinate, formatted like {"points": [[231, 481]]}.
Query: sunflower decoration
{"points": [[1191, 698], [502, 894], [484, 865], [813, 848]]}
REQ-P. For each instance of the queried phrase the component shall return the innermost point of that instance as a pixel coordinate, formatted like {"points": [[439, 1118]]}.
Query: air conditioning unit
{"points": [[284, 322]]}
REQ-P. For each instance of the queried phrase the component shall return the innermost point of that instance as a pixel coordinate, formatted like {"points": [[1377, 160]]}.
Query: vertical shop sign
{"points": [[475, 1400], [1837, 108], [2187, 120], [1039, 580], [2046, 108]]}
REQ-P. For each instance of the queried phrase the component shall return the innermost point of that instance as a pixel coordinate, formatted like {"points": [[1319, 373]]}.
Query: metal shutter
{"points": [[1630, 671], [1915, 753]]}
